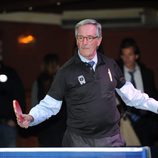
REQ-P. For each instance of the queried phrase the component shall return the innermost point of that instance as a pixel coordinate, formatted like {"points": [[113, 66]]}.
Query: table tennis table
{"points": [[111, 152]]}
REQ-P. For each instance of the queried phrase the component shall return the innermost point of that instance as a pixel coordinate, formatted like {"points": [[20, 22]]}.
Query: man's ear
{"points": [[99, 41]]}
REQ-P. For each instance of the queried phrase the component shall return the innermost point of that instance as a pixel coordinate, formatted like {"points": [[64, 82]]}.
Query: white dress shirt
{"points": [[137, 77]]}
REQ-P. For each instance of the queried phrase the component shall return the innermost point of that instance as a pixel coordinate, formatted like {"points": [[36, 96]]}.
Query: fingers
{"points": [[23, 124], [23, 121]]}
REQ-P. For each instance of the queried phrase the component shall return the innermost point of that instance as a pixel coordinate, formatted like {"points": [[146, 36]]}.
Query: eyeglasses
{"points": [[88, 38]]}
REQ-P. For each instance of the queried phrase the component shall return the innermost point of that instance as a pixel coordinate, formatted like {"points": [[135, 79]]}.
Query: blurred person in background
{"points": [[143, 122], [50, 132], [11, 87]]}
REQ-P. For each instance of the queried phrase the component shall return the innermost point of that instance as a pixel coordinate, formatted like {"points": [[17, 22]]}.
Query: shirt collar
{"points": [[83, 59]]}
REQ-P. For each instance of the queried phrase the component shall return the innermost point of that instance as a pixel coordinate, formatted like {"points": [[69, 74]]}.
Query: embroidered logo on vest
{"points": [[81, 79]]}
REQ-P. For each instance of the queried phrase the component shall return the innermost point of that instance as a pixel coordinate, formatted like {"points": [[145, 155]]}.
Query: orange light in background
{"points": [[26, 39]]}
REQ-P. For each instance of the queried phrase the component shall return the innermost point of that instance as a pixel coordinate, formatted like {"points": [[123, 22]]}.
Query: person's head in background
{"points": [[129, 52], [50, 64], [88, 35]]}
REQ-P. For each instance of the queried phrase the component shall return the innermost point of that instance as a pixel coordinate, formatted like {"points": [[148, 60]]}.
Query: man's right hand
{"points": [[24, 123]]}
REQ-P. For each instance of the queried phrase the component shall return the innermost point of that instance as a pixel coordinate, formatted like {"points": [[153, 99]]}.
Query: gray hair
{"points": [[92, 22]]}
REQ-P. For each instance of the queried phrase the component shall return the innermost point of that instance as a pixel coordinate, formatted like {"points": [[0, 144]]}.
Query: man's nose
{"points": [[85, 40]]}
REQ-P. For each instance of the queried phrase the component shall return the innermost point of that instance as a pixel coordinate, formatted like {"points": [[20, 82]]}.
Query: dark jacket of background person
{"points": [[11, 88], [146, 126], [50, 132]]}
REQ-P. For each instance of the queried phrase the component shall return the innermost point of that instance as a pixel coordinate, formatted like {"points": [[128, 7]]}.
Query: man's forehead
{"points": [[88, 28]]}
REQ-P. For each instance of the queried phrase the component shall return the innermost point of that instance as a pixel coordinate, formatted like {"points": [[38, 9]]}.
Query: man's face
{"points": [[129, 57], [87, 48]]}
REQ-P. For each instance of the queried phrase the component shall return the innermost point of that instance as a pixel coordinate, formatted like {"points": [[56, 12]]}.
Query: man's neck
{"points": [[84, 59], [131, 68]]}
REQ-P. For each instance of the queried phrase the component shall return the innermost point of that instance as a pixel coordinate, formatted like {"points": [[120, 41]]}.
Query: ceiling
{"points": [[59, 6]]}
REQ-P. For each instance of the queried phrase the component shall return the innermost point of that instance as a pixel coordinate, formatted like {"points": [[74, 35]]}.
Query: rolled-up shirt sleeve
{"points": [[45, 109], [135, 98]]}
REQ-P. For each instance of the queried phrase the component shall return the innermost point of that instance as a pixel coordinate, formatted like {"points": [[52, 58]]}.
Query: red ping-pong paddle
{"points": [[17, 110]]}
